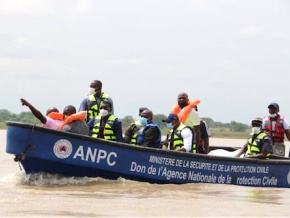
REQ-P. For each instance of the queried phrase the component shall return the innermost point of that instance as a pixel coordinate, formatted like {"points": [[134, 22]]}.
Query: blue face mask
{"points": [[143, 121], [169, 125]]}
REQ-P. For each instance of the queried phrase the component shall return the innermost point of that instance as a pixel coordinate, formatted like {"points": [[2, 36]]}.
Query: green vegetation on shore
{"points": [[218, 129], [24, 117]]}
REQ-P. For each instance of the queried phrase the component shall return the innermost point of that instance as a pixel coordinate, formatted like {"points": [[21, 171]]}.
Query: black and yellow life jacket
{"points": [[255, 146], [108, 132], [177, 141], [94, 109], [135, 132]]}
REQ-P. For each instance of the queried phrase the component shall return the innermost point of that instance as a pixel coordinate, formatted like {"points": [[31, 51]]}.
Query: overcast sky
{"points": [[232, 55]]}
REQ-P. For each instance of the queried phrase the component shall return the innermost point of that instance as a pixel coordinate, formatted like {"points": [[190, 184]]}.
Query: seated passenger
{"points": [[203, 146], [106, 126], [74, 122], [150, 134], [132, 131], [259, 144], [53, 118], [180, 137]]}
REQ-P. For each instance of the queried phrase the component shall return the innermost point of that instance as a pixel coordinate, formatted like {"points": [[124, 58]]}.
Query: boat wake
{"points": [[47, 180]]}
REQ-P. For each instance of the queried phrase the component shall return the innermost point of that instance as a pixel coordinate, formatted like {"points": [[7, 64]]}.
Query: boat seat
{"points": [[279, 149]]}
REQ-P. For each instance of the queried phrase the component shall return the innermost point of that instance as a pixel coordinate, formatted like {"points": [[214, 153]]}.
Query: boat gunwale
{"points": [[284, 161]]}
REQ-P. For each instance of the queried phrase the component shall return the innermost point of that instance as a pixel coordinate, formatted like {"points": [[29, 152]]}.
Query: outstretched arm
{"points": [[35, 112]]}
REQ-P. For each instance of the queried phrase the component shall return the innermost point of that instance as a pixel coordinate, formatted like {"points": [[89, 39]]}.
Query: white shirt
{"points": [[186, 134], [53, 124]]}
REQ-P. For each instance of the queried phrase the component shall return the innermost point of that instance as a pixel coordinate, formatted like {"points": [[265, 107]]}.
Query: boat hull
{"points": [[69, 154]]}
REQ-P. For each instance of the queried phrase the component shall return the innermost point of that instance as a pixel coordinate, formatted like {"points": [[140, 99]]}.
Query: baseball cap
{"points": [[274, 105], [170, 118]]}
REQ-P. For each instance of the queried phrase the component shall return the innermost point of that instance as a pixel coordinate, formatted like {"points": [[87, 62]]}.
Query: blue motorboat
{"points": [[40, 149]]}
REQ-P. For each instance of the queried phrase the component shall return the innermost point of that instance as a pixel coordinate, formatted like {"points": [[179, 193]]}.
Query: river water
{"points": [[46, 195]]}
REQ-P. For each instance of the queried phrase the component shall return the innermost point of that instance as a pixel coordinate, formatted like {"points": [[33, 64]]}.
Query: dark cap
{"points": [[257, 120], [170, 118], [274, 105]]}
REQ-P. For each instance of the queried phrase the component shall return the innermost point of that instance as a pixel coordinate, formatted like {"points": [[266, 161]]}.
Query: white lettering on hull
{"points": [[95, 155]]}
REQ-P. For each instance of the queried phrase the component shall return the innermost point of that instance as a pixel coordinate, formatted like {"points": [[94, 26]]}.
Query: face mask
{"points": [[104, 112], [143, 121], [169, 125], [182, 105], [256, 130], [92, 91], [273, 115]]}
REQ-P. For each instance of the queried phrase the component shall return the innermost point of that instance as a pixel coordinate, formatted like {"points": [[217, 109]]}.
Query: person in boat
{"points": [[203, 146], [74, 122], [53, 118], [276, 126], [94, 100], [259, 144], [150, 134], [187, 114], [180, 136], [132, 131], [106, 125]]}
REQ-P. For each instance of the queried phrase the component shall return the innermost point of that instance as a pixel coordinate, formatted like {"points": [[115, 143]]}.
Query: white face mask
{"points": [[272, 115], [104, 112], [256, 130], [92, 91]]}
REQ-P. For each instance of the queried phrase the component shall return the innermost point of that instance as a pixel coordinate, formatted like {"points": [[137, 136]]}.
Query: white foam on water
{"points": [[13, 178], [46, 179]]}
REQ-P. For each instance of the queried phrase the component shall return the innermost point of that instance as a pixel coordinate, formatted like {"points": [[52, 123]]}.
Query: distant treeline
{"points": [[25, 117], [28, 117]]}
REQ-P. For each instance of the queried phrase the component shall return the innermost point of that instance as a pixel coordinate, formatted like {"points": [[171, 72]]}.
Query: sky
{"points": [[233, 55]]}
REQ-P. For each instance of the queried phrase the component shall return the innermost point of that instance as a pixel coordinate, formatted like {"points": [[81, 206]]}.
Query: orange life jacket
{"points": [[77, 116], [278, 134], [55, 116], [182, 114]]}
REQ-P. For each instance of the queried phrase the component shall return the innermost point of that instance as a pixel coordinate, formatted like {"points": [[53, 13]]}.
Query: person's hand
{"points": [[24, 102]]}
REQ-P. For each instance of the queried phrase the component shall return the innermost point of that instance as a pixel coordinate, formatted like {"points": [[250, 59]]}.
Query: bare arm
{"points": [[35, 112], [206, 145], [164, 147], [242, 151], [181, 149], [287, 132], [197, 135], [262, 155]]}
